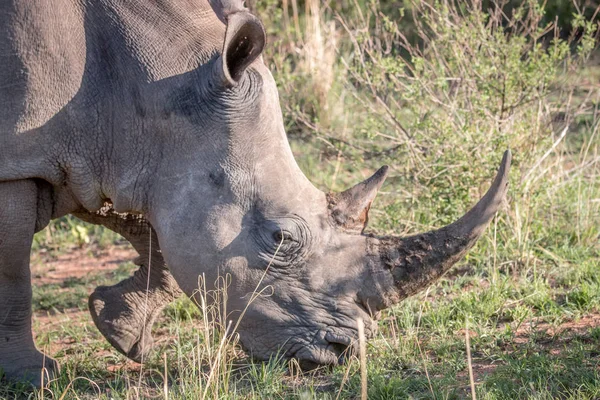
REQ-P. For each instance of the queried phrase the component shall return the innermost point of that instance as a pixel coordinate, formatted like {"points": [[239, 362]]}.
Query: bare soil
{"points": [[77, 263], [549, 338]]}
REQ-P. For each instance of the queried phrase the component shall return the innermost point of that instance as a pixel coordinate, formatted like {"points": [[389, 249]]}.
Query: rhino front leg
{"points": [[124, 313], [19, 358]]}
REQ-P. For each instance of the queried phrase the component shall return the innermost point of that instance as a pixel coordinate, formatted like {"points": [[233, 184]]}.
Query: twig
{"points": [[550, 150]]}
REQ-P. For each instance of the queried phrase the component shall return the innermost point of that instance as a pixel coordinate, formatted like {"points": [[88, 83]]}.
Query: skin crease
{"points": [[160, 109]]}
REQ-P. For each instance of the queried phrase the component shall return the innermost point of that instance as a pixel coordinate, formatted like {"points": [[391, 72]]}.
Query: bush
{"points": [[442, 109]]}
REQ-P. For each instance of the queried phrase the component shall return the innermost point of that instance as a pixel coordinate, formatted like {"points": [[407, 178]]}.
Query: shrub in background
{"points": [[440, 110]]}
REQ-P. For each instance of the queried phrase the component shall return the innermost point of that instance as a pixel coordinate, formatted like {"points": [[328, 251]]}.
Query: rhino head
{"points": [[233, 202]]}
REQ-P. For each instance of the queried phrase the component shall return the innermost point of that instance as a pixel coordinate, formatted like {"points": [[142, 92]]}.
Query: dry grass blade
{"points": [[165, 378], [217, 361], [470, 361], [546, 154], [363, 358], [419, 347], [146, 302], [344, 380], [70, 386]]}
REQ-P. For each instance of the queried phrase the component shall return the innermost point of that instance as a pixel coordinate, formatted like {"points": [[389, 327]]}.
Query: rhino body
{"points": [[165, 111]]}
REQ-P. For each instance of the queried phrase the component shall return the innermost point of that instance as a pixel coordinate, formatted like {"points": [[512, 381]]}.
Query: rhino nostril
{"points": [[343, 352], [342, 345]]}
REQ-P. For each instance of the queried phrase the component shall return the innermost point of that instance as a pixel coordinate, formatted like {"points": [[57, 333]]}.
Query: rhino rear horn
{"points": [[350, 209], [245, 38]]}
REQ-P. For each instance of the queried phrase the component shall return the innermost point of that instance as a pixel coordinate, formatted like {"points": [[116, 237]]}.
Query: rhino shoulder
{"points": [[42, 63]]}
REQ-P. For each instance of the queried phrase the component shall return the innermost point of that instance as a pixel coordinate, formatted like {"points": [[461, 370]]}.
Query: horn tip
{"points": [[382, 172], [504, 166], [506, 158]]}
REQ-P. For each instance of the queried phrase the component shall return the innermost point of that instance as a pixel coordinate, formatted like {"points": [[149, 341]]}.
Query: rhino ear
{"points": [[245, 39], [350, 209]]}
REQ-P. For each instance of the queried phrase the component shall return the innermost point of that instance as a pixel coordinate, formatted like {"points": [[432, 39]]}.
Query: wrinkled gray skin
{"points": [[165, 110]]}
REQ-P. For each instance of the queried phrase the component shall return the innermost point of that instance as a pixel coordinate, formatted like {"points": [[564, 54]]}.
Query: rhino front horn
{"points": [[350, 209], [417, 261]]}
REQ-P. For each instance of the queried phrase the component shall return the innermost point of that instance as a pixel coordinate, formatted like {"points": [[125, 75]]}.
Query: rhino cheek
{"points": [[194, 244], [223, 225]]}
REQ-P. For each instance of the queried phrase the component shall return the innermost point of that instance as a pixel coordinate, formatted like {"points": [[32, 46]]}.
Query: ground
{"points": [[538, 345]]}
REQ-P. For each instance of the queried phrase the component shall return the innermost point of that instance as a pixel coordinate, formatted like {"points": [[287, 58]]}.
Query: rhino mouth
{"points": [[328, 348], [336, 350], [331, 340]]}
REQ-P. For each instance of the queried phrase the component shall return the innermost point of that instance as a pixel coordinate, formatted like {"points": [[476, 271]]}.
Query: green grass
{"points": [[534, 334]]}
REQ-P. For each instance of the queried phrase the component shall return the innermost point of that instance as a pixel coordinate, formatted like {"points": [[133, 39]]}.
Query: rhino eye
{"points": [[282, 241], [282, 236]]}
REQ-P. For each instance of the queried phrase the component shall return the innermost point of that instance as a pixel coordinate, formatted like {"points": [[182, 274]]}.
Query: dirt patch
{"points": [[481, 369], [77, 263], [567, 329], [548, 338]]}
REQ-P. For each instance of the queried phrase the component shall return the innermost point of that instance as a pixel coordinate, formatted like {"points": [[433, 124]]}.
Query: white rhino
{"points": [[165, 110]]}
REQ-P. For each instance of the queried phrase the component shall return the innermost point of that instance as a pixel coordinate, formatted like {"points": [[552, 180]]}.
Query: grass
{"points": [[532, 334], [528, 294]]}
